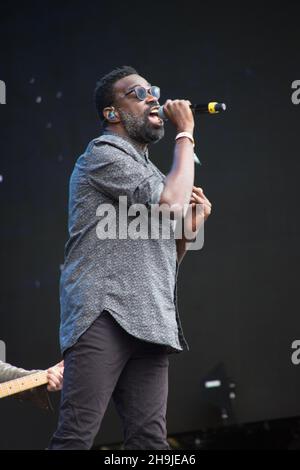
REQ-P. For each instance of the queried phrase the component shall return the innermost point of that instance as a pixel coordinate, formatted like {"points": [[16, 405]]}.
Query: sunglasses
{"points": [[141, 92]]}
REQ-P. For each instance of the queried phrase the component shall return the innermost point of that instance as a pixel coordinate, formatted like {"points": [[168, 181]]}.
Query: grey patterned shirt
{"points": [[133, 279]]}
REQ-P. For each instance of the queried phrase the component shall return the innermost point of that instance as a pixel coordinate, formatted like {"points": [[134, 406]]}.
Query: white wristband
{"points": [[186, 134]]}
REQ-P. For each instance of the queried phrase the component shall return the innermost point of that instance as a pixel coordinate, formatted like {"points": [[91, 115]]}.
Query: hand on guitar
{"points": [[55, 377]]}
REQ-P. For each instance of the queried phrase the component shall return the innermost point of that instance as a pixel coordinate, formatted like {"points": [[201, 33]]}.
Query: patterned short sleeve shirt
{"points": [[132, 278]]}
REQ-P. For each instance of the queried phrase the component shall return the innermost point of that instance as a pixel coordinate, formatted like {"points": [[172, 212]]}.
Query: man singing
{"points": [[119, 319]]}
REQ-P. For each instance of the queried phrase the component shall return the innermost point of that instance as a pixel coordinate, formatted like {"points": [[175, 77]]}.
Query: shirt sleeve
{"points": [[117, 173], [9, 372]]}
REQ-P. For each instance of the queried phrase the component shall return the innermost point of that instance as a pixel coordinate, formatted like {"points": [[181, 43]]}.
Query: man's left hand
{"points": [[198, 197]]}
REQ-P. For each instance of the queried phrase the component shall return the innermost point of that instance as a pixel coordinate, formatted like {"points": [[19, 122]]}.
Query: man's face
{"points": [[135, 114]]}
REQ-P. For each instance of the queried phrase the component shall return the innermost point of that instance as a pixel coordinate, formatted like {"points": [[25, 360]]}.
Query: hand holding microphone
{"points": [[208, 108], [179, 113]]}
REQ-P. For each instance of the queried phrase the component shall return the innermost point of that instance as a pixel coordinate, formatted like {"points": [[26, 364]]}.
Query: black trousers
{"points": [[108, 362]]}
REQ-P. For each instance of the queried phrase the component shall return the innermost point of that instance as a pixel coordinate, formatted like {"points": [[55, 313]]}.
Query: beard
{"points": [[140, 129]]}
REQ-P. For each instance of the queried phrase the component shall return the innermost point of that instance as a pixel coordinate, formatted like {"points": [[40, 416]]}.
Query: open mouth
{"points": [[153, 116]]}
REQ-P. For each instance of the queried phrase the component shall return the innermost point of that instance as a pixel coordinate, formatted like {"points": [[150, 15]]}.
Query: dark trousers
{"points": [[108, 362]]}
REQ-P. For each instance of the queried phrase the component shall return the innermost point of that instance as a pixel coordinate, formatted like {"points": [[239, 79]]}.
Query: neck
{"points": [[122, 133]]}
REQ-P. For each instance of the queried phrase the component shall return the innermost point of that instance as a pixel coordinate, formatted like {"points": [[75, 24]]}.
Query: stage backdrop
{"points": [[239, 295]]}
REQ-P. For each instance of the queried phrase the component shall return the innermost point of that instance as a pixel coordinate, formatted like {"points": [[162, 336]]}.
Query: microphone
{"points": [[208, 108]]}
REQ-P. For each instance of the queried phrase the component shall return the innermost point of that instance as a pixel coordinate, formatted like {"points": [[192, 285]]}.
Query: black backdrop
{"points": [[238, 296]]}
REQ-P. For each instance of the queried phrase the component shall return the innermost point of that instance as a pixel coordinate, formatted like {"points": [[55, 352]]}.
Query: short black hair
{"points": [[103, 93]]}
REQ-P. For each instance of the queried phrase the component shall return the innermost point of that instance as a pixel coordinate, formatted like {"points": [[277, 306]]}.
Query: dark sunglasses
{"points": [[141, 92]]}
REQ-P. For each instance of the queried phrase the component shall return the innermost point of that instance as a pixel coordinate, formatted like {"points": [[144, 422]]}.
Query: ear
{"points": [[111, 115]]}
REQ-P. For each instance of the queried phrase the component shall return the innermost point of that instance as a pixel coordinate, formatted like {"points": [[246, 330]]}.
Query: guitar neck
{"points": [[23, 383]]}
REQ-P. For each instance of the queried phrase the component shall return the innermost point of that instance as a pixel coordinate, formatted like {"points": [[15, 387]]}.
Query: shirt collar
{"points": [[126, 140]]}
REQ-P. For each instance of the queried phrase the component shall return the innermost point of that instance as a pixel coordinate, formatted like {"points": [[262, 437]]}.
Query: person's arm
{"points": [[9, 372], [179, 181]]}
